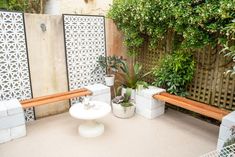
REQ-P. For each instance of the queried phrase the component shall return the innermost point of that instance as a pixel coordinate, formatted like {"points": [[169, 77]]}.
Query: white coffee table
{"points": [[90, 128]]}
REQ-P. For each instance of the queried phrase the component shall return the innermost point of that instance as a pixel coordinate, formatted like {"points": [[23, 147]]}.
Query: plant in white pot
{"points": [[111, 64], [122, 105], [131, 77]]}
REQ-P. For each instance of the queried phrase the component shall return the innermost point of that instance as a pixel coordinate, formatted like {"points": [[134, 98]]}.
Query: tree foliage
{"points": [[196, 23], [29, 6]]}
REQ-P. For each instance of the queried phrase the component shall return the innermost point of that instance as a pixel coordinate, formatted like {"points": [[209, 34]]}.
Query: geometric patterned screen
{"points": [[14, 68], [84, 43]]}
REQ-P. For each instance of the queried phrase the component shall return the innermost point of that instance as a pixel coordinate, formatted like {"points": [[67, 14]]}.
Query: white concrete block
{"points": [[17, 132], [12, 121], [229, 120], [224, 133], [102, 97], [5, 135], [149, 92], [3, 109], [147, 103], [98, 89], [100, 92], [13, 107], [151, 114], [220, 144]]}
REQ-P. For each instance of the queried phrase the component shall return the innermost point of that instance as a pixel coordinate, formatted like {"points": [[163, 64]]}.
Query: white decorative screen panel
{"points": [[84, 42], [14, 69]]}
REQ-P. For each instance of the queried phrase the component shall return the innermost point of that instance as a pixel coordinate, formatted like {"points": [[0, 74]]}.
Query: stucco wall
{"points": [[47, 57]]}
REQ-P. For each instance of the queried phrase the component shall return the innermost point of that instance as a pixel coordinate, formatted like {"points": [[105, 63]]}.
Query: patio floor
{"points": [[171, 135]]}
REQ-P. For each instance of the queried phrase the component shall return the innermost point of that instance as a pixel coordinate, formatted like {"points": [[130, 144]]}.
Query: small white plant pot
{"points": [[123, 112], [109, 80]]}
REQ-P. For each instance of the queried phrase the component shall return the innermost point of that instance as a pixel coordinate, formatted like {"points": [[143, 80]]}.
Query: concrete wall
{"points": [[47, 57]]}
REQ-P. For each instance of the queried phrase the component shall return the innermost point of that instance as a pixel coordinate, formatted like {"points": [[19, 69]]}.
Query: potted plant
{"points": [[111, 65], [122, 105], [131, 77]]}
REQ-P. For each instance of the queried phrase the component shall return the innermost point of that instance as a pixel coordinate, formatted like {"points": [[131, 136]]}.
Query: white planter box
{"points": [[229, 120], [225, 132], [18, 131], [100, 92], [151, 114], [220, 144], [12, 120], [146, 105], [5, 135]]}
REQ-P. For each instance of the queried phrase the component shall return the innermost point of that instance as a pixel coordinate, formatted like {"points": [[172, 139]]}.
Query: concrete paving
{"points": [[171, 135]]}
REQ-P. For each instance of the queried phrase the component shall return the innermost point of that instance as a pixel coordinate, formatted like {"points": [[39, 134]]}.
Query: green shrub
{"points": [[29, 6], [197, 23], [174, 72]]}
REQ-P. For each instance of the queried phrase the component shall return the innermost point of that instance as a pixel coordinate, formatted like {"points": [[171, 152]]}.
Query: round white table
{"points": [[96, 110]]}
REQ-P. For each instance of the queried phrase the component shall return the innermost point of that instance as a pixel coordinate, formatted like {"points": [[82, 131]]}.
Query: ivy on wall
{"points": [[196, 23], [28, 6]]}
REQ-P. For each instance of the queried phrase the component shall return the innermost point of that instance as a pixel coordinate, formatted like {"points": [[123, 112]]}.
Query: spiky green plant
{"points": [[131, 77]]}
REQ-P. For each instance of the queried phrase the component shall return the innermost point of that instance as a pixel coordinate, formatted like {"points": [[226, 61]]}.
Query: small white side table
{"points": [[90, 128]]}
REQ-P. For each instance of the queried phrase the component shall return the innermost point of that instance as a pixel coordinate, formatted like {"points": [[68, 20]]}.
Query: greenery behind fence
{"points": [[209, 85], [28, 6], [204, 28]]}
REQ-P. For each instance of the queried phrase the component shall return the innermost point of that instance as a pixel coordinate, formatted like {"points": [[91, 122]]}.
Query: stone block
{"points": [[3, 109], [229, 120], [151, 114], [147, 103], [149, 92], [220, 144], [17, 132], [13, 107], [100, 92], [103, 97], [12, 121], [5, 135], [224, 133]]}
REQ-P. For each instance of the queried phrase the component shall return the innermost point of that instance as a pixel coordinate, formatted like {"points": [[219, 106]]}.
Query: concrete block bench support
{"points": [[100, 92], [146, 105], [225, 129], [12, 120]]}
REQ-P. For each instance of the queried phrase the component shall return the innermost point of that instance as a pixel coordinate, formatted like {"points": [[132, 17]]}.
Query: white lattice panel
{"points": [[228, 151], [84, 42], [14, 70]]}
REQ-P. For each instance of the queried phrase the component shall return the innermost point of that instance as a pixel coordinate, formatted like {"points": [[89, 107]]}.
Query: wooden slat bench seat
{"points": [[191, 105], [55, 97]]}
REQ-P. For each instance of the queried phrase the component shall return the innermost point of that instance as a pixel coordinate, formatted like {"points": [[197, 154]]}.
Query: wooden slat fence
{"points": [[209, 85]]}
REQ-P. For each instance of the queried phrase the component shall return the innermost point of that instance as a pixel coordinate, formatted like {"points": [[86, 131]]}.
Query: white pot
{"points": [[109, 80], [123, 112], [133, 94]]}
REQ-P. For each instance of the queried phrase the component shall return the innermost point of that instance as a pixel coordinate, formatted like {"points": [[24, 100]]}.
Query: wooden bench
{"points": [[55, 97], [191, 105]]}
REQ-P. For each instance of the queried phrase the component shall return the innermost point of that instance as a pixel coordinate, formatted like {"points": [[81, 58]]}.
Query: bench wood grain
{"points": [[201, 108]]}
